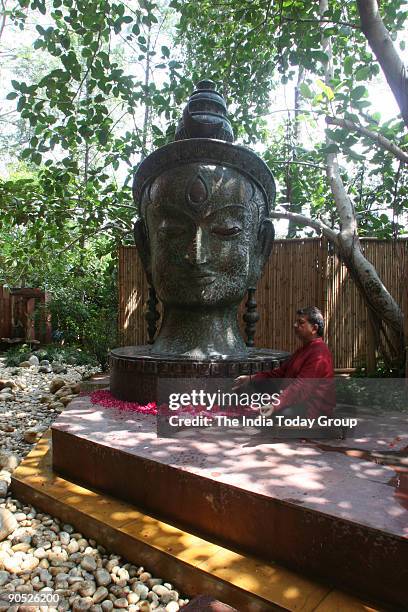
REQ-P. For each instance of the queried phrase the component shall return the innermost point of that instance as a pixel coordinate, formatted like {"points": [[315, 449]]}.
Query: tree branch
{"points": [[383, 142], [299, 219], [381, 44], [342, 23], [295, 161]]}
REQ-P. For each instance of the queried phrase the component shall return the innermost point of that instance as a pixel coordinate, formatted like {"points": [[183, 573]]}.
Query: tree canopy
{"points": [[95, 85]]}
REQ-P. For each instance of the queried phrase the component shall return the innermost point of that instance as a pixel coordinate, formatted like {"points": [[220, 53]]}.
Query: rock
{"points": [[57, 555], [102, 577], [144, 606], [88, 563], [24, 364], [76, 388], [12, 564], [7, 523], [7, 384], [160, 590], [120, 603], [141, 589], [171, 595], [3, 488], [87, 588], [153, 582], [45, 369], [64, 538], [58, 368], [56, 384], [6, 397], [57, 406], [68, 528], [172, 606], [44, 362], [145, 576], [9, 460], [100, 594], [123, 574], [132, 598], [33, 360], [72, 547], [83, 603], [65, 390], [65, 399], [29, 563], [33, 434], [107, 605], [111, 564], [4, 577], [153, 598]]}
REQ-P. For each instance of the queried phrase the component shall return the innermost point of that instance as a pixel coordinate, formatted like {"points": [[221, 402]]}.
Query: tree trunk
{"points": [[384, 312], [293, 206], [381, 44]]}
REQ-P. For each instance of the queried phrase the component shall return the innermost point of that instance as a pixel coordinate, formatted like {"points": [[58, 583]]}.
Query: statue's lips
{"points": [[201, 279]]}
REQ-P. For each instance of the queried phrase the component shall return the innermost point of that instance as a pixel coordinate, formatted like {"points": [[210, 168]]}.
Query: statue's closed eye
{"points": [[226, 231]]}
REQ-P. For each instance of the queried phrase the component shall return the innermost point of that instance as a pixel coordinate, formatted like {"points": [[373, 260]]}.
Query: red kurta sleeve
{"points": [[315, 363]]}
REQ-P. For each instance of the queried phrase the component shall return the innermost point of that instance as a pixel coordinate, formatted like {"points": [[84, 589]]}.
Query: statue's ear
{"points": [[266, 236], [143, 247]]}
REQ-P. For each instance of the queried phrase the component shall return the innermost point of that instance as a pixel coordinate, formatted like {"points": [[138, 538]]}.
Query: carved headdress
{"points": [[205, 135]]}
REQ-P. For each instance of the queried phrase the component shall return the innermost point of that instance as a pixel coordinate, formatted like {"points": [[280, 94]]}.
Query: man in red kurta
{"points": [[306, 379]]}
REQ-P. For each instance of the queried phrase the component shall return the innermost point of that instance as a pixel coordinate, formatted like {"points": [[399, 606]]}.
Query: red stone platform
{"points": [[335, 511]]}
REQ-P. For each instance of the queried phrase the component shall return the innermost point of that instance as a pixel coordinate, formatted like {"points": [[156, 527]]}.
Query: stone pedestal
{"points": [[327, 510], [136, 371]]}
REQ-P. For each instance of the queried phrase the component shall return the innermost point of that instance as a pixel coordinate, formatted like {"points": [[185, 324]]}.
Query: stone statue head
{"points": [[203, 230]]}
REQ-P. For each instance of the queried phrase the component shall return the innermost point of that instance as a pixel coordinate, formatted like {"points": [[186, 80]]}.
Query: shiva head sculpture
{"points": [[203, 231]]}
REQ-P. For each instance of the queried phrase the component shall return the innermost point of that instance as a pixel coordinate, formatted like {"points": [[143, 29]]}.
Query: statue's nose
{"points": [[197, 249]]}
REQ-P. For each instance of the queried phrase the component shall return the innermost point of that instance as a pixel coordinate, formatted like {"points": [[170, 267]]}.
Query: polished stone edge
{"points": [[194, 565], [129, 358]]}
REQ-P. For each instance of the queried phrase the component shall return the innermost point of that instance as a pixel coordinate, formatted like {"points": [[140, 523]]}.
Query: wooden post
{"points": [[29, 311]]}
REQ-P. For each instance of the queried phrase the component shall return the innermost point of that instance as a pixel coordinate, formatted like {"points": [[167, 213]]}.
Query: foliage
{"points": [[383, 370], [71, 355], [255, 49], [376, 394]]}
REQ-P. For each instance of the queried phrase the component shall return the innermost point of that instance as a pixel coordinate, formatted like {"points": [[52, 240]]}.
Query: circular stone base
{"points": [[136, 371]]}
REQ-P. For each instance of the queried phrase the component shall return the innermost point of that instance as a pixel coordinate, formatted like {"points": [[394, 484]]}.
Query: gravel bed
{"points": [[39, 554]]}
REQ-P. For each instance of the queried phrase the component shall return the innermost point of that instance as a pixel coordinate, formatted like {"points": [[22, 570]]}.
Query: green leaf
{"points": [[358, 92], [103, 136], [165, 51], [12, 95], [21, 103], [37, 158], [328, 92], [349, 65], [306, 91], [362, 74], [331, 148]]}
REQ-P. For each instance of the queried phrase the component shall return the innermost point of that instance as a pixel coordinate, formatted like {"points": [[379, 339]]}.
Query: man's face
{"points": [[202, 231], [305, 330]]}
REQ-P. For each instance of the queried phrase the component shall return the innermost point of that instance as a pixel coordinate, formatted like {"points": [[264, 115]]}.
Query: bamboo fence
{"points": [[300, 272]]}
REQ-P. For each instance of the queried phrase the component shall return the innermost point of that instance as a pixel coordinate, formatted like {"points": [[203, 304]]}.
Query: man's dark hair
{"points": [[314, 317]]}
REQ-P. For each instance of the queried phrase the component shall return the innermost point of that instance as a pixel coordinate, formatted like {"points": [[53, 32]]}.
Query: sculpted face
{"points": [[207, 237]]}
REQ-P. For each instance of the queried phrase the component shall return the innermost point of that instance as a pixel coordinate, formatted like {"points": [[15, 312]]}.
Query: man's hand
{"points": [[267, 410], [241, 381]]}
